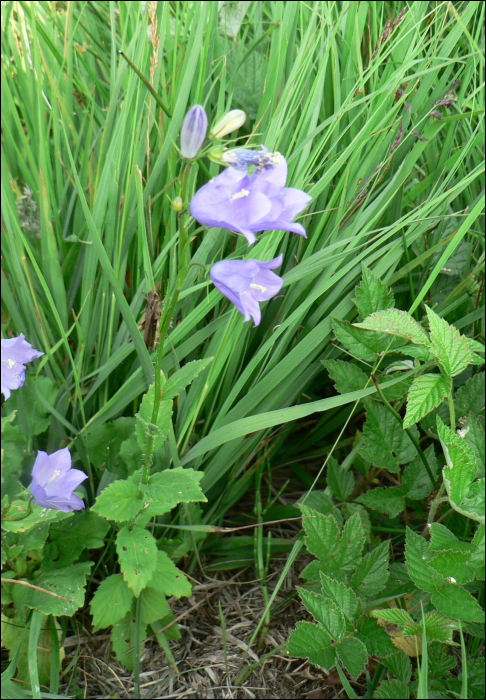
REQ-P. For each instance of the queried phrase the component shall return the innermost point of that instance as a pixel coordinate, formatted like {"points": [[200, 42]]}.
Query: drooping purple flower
{"points": [[246, 283], [193, 132], [53, 482], [16, 353], [247, 204]]}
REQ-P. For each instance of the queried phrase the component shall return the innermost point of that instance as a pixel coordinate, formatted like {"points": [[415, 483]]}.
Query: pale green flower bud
{"points": [[229, 123], [177, 204]]}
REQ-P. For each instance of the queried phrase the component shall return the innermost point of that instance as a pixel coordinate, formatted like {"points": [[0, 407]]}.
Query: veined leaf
{"points": [[184, 376], [385, 444], [398, 323], [396, 616], [372, 572], [353, 655], [309, 641], [393, 689], [137, 554], [426, 393], [341, 595], [389, 501], [449, 347], [417, 557], [324, 611], [372, 295], [111, 602]]}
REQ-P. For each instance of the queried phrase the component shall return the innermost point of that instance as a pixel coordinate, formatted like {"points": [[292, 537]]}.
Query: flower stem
{"points": [[410, 434]]}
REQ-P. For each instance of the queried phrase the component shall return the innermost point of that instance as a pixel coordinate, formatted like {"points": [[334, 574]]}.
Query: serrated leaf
{"points": [[372, 295], [397, 323], [372, 572], [399, 665], [322, 533], [353, 655], [324, 611], [158, 430], [474, 436], [417, 557], [352, 543], [83, 530], [168, 579], [442, 539], [426, 393], [137, 555], [68, 583], [121, 500], [123, 641], [455, 564], [396, 616], [153, 607], [384, 443], [309, 641], [375, 638], [360, 343], [470, 396], [111, 602], [184, 376], [168, 488], [446, 343], [15, 520], [105, 440], [339, 480], [438, 627], [454, 601], [389, 501], [461, 468], [395, 690], [416, 482], [346, 375], [341, 595]]}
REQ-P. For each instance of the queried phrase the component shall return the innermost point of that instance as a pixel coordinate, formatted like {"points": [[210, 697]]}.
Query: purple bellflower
{"points": [[246, 283], [16, 353], [53, 482], [248, 204], [193, 132]]}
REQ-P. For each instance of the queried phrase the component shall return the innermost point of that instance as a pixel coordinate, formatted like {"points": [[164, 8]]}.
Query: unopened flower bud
{"points": [[227, 124], [242, 158], [193, 132], [215, 154], [177, 204]]}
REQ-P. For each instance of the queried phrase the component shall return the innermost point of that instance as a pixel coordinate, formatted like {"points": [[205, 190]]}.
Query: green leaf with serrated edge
{"points": [[478, 542], [341, 595], [339, 480], [168, 488], [322, 534], [159, 429], [353, 655], [398, 323], [15, 520], [377, 641], [137, 555], [352, 543], [121, 500], [438, 627], [68, 583], [399, 665], [154, 606], [384, 442], [473, 432], [389, 501], [476, 346], [426, 393], [416, 483], [372, 295], [105, 440], [309, 641], [360, 343], [8, 419], [446, 343], [396, 616], [398, 582], [470, 396], [460, 470], [395, 690], [346, 375], [455, 564], [312, 572], [171, 633], [32, 412], [168, 579], [84, 530], [123, 640], [184, 376], [372, 572], [417, 557], [111, 602], [324, 611], [442, 539], [454, 601]]}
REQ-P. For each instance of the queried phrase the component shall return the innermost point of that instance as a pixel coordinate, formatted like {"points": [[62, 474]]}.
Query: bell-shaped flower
{"points": [[247, 204], [54, 482], [193, 132], [246, 283], [231, 121], [16, 353]]}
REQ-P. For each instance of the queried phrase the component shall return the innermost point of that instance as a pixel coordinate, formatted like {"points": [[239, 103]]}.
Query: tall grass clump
{"points": [[378, 110]]}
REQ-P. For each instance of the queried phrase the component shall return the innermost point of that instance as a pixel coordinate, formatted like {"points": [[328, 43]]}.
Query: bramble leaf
{"points": [[426, 393], [446, 343], [372, 295], [470, 396], [324, 611], [372, 572], [417, 557], [341, 595], [353, 656], [339, 480], [398, 323], [393, 690], [396, 616], [309, 641], [360, 343], [416, 483], [455, 602], [346, 375], [389, 501], [384, 443]]}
